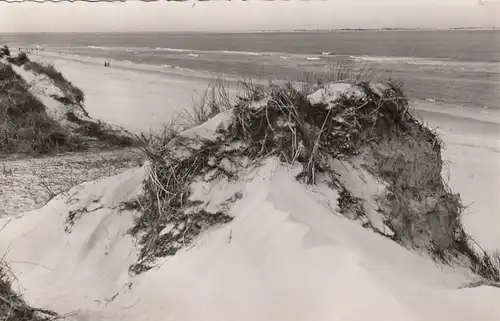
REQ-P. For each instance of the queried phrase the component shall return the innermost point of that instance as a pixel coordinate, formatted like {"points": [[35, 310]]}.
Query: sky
{"points": [[250, 15]]}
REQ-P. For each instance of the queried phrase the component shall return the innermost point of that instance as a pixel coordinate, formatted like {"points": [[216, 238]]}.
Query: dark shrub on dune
{"points": [[19, 60], [25, 126], [4, 51]]}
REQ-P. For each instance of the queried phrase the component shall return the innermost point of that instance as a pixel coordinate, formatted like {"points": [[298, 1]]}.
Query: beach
{"points": [[286, 250]]}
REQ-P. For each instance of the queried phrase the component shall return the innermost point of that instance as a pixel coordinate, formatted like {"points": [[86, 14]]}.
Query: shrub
{"points": [[25, 126], [282, 122], [4, 51], [104, 133], [20, 60]]}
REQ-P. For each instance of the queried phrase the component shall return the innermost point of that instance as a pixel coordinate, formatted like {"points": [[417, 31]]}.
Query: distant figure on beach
{"points": [[106, 64]]}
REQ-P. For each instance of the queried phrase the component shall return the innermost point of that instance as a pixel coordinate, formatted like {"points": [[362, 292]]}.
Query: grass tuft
{"points": [[71, 92], [12, 305]]}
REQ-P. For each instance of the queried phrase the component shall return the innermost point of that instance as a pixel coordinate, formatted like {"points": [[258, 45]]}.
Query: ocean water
{"points": [[453, 66]]}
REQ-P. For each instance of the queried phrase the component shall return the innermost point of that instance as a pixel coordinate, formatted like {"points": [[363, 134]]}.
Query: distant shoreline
{"points": [[262, 31]]}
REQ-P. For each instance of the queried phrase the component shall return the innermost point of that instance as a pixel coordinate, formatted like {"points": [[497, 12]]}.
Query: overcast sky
{"points": [[251, 15]]}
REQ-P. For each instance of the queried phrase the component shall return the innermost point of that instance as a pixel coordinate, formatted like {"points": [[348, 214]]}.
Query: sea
{"points": [[453, 66]]}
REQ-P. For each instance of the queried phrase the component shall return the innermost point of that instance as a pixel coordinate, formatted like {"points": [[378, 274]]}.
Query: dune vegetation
{"points": [[27, 127]]}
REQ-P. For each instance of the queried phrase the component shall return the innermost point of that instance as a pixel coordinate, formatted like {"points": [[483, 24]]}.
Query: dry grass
{"points": [[12, 305], [169, 178], [214, 100], [291, 127], [343, 71], [166, 200], [71, 92]]}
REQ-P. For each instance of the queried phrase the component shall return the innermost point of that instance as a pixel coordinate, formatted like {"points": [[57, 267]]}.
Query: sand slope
{"points": [[285, 256]]}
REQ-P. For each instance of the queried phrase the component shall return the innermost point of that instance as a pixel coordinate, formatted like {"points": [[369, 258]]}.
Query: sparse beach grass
{"points": [[73, 93]]}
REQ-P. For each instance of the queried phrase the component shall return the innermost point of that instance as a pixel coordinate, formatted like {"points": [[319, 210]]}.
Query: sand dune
{"points": [[285, 257]]}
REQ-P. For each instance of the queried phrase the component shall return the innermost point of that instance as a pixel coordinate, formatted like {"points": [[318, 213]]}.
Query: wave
{"points": [[172, 49], [404, 60], [378, 58], [247, 53], [229, 52], [193, 55], [185, 69], [97, 47], [313, 58]]}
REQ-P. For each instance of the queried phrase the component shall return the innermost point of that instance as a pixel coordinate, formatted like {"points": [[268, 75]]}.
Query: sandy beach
{"points": [[137, 98]]}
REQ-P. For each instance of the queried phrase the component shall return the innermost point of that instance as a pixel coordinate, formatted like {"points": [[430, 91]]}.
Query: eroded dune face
{"points": [[290, 251]]}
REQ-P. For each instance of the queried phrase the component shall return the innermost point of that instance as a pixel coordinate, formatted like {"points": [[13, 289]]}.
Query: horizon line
{"points": [[262, 30]]}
